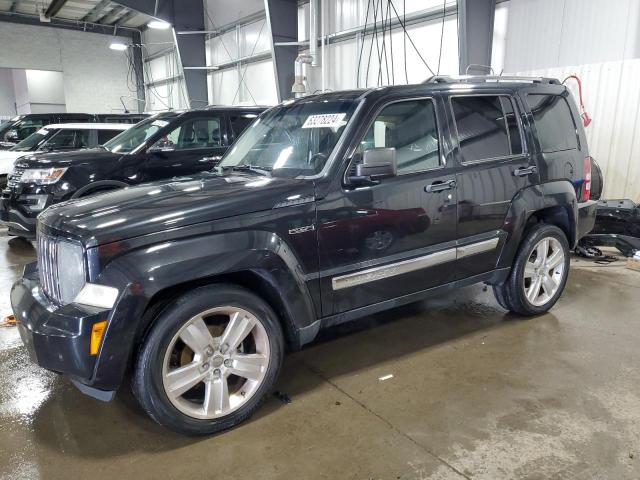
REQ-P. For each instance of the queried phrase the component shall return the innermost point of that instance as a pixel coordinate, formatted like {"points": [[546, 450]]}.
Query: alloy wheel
{"points": [[216, 362], [544, 271]]}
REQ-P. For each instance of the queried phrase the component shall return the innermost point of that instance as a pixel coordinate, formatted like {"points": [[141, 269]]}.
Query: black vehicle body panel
{"points": [[301, 243], [97, 169], [617, 224]]}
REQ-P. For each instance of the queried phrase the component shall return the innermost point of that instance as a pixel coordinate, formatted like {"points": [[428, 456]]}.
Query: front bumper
{"points": [[586, 217], [19, 211], [57, 337]]}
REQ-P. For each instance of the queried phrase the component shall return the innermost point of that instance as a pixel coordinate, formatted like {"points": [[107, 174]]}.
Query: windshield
{"points": [[137, 135], [293, 139], [32, 141]]}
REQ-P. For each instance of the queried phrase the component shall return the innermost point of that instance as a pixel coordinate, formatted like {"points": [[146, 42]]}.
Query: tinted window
{"points": [[487, 127], [554, 122], [68, 139], [515, 140], [193, 133], [410, 127], [106, 135], [27, 127], [241, 121]]}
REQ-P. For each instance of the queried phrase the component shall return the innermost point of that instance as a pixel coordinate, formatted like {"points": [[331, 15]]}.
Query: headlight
{"points": [[71, 271], [42, 176]]}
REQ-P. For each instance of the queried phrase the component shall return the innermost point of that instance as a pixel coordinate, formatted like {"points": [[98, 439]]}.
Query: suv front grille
{"points": [[14, 177], [48, 266]]}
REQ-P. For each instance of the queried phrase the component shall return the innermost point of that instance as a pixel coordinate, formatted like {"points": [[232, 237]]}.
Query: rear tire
{"points": [[539, 272], [209, 360]]}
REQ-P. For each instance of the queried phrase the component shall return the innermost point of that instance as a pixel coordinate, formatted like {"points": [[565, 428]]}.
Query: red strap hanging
{"points": [[586, 119]]}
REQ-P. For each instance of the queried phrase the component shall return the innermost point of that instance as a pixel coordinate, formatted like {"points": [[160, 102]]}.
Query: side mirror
{"points": [[376, 163]]}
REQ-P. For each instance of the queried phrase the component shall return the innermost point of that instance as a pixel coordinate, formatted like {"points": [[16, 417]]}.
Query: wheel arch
{"points": [[100, 184], [254, 281], [256, 260], [554, 203]]}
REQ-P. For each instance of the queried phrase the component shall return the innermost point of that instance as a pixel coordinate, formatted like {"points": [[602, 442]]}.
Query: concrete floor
{"points": [[475, 393]]}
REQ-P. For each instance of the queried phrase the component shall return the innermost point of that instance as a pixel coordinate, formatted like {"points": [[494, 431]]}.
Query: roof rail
{"points": [[489, 78]]}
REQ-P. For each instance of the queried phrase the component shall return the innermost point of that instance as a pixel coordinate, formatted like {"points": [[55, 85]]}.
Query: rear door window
{"points": [[554, 122], [487, 127]]}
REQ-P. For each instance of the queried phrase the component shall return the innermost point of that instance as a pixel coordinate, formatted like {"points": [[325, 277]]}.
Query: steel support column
{"points": [[138, 68], [282, 18], [184, 16], [475, 35]]}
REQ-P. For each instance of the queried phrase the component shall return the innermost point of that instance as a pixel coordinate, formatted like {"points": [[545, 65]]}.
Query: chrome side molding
{"points": [[407, 266]]}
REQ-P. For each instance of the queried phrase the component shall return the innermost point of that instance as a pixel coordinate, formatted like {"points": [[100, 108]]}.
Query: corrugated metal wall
{"points": [[600, 41], [612, 98], [554, 33]]}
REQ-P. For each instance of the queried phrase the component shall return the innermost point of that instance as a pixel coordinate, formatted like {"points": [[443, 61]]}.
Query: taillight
{"points": [[586, 186]]}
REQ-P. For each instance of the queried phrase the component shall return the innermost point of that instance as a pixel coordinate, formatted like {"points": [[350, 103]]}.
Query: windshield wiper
{"points": [[264, 171]]}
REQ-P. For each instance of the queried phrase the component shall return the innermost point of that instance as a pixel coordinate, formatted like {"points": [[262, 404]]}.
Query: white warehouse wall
{"points": [[94, 76], [600, 41], [7, 94], [554, 33]]}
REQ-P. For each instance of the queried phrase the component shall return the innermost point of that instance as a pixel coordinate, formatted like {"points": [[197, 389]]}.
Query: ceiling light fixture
{"points": [[117, 45], [158, 24]]}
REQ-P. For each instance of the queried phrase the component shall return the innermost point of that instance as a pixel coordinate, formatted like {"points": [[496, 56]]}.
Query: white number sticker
{"points": [[160, 123], [327, 120], [43, 131]]}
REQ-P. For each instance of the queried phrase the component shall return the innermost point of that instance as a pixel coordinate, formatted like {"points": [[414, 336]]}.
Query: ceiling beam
{"points": [[54, 7], [110, 16], [95, 11], [126, 17], [26, 19]]}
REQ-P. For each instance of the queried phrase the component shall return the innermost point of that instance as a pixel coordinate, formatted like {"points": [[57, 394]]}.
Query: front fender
{"points": [[146, 273]]}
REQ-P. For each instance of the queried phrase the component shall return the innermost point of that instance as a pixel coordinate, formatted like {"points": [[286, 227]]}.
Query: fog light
{"points": [[96, 336]]}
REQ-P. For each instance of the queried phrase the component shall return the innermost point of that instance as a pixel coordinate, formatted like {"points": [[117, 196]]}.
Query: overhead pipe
{"points": [[299, 87], [313, 32]]}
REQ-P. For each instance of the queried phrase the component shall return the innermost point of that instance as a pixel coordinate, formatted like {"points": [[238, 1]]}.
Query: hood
{"points": [[156, 207], [7, 157], [67, 158]]}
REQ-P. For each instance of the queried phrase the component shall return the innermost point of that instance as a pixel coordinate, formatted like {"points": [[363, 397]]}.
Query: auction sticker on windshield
{"points": [[327, 120]]}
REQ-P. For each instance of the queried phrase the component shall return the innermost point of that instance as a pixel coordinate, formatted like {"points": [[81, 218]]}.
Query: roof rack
{"points": [[489, 78]]}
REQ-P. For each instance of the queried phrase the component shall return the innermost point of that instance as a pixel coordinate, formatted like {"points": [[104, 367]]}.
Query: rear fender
{"points": [[555, 202]]}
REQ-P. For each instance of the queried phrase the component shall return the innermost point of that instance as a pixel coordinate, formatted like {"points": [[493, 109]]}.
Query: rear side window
{"points": [[554, 122], [241, 121], [106, 135], [487, 127]]}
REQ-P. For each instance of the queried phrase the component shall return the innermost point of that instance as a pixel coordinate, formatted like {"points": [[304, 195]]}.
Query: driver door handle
{"points": [[524, 171], [440, 186]]}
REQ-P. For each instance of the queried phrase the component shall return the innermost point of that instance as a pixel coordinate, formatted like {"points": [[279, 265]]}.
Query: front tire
{"points": [[539, 273], [209, 360]]}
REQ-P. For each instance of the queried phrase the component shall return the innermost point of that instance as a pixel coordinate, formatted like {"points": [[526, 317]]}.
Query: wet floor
{"points": [[449, 388]]}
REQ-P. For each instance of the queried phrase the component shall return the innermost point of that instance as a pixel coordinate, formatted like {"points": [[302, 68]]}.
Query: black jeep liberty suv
{"points": [[328, 208]]}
